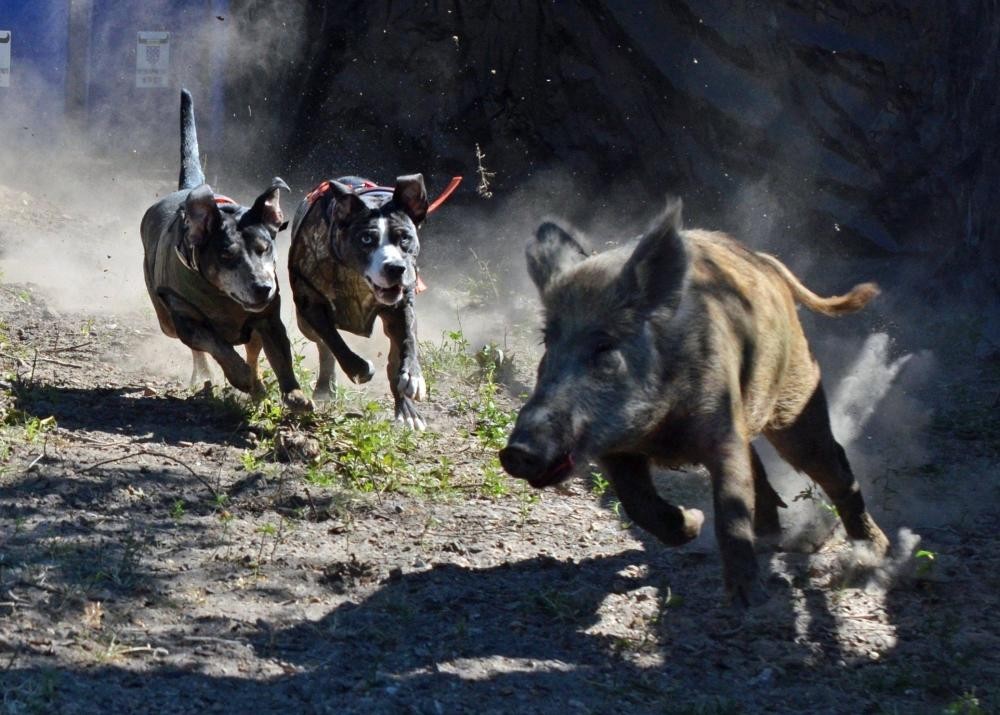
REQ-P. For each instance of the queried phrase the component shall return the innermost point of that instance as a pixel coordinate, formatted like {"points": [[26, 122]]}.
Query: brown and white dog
{"points": [[354, 258]]}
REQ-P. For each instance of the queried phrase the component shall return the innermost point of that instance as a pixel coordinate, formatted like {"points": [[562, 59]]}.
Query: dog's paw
{"points": [[296, 401], [407, 414], [413, 386], [364, 372]]}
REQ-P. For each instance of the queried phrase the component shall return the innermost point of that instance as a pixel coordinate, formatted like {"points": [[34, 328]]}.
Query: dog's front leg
{"points": [[271, 332], [406, 379], [319, 314]]}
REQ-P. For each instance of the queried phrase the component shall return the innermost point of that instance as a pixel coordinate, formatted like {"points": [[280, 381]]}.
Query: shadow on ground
{"points": [[129, 412]]}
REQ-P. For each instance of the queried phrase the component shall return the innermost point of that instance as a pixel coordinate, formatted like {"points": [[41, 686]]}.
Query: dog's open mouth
{"points": [[387, 296], [251, 306]]}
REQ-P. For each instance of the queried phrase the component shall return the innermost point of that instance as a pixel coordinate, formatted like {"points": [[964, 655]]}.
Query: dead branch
{"points": [[160, 455]]}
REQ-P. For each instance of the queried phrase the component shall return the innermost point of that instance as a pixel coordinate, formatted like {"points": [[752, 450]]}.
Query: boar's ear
{"points": [[267, 209], [345, 204], [553, 251], [411, 196], [653, 276], [201, 215]]}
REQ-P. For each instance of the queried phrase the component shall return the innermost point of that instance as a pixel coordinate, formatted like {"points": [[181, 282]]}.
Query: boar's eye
{"points": [[604, 354], [603, 347]]}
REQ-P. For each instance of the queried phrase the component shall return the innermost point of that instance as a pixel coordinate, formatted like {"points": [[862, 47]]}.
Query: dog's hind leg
{"points": [[326, 382], [201, 376], [253, 349], [201, 338]]}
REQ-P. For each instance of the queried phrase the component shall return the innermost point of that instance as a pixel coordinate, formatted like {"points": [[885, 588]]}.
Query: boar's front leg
{"points": [[733, 497], [630, 475]]}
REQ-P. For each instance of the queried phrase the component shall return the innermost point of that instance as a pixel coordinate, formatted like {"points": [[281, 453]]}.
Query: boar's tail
{"points": [[850, 302], [191, 173]]}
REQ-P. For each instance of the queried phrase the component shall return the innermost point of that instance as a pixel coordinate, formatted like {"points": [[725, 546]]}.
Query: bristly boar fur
{"points": [[679, 349]]}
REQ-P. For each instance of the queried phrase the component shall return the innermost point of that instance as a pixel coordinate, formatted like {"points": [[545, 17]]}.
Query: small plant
{"points": [[177, 511], [811, 493], [35, 427], [598, 484], [925, 562], [483, 187], [483, 285], [495, 483], [450, 357], [966, 704]]}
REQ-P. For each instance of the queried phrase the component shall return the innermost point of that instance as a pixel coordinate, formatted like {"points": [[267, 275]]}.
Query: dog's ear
{"points": [[345, 203], [267, 208], [411, 196], [553, 251], [201, 214]]}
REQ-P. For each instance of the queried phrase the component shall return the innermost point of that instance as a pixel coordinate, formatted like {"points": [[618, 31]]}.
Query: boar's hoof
{"points": [[748, 595], [877, 538], [693, 521]]}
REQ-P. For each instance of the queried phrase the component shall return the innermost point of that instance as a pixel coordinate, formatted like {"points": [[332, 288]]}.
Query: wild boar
{"points": [[679, 349]]}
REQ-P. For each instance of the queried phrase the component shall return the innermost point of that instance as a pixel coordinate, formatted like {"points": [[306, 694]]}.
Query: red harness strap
{"points": [[324, 188], [446, 194]]}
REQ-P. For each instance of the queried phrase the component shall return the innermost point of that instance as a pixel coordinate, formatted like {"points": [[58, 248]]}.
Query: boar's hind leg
{"points": [[673, 525], [809, 446], [766, 500]]}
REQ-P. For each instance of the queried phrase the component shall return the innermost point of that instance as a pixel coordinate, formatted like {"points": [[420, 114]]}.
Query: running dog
{"points": [[210, 272]]}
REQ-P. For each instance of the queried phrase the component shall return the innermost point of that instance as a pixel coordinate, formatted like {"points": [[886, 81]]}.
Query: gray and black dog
{"points": [[210, 272], [352, 259]]}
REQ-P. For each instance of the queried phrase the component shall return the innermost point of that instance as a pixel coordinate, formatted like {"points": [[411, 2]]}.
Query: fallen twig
{"points": [[35, 358], [161, 455], [71, 347]]}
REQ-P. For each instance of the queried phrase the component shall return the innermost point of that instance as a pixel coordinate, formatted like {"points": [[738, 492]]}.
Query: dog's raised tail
{"points": [[851, 302], [191, 173]]}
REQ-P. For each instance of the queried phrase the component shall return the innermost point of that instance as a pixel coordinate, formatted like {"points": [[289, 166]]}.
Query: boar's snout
{"points": [[522, 461]]}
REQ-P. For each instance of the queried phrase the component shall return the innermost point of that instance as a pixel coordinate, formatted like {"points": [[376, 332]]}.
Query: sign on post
{"points": [[152, 60], [4, 58]]}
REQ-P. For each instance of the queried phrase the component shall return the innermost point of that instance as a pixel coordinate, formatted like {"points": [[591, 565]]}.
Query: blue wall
{"points": [[38, 61], [118, 116]]}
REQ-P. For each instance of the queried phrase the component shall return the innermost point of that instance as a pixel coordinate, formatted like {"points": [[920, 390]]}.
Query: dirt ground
{"points": [[167, 551]]}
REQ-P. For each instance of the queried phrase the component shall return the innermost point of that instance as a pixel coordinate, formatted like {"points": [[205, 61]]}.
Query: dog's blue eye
{"points": [[367, 239]]}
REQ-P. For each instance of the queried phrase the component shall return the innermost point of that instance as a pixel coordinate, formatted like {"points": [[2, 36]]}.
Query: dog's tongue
{"points": [[421, 286]]}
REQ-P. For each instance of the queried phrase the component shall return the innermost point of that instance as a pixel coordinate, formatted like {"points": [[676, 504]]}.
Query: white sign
{"points": [[4, 58], [152, 60]]}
